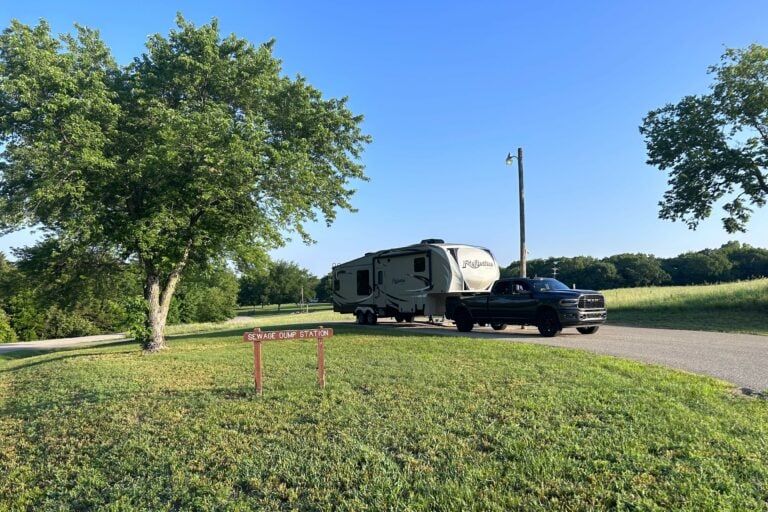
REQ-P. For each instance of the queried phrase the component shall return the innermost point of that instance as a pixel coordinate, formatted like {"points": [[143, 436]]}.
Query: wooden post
{"points": [[320, 361], [257, 371]]}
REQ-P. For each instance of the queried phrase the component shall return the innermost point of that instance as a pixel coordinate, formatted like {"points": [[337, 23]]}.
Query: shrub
{"points": [[7, 334], [65, 324]]}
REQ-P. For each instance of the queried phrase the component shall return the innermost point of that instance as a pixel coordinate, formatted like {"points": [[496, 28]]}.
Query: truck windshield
{"points": [[546, 285]]}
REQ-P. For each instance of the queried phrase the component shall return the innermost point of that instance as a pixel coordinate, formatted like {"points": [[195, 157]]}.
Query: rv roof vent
{"points": [[432, 241]]}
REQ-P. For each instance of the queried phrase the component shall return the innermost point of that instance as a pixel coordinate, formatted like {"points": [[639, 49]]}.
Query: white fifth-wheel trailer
{"points": [[411, 281]]}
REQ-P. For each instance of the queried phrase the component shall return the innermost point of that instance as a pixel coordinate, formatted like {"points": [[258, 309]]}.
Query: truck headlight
{"points": [[569, 303]]}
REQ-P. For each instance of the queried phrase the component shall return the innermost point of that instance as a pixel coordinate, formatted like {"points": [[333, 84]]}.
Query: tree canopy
{"points": [[196, 150], [715, 145]]}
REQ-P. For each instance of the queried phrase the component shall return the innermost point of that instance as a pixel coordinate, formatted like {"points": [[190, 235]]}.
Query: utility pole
{"points": [[522, 207]]}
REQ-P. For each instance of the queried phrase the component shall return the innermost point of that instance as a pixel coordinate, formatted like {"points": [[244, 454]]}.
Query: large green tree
{"points": [[198, 149], [715, 146]]}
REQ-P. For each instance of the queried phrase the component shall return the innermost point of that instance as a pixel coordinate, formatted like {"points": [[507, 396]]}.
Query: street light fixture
{"points": [[509, 160]]}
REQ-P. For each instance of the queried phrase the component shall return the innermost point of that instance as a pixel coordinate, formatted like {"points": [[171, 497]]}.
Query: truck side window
{"points": [[502, 288], [363, 282], [419, 264]]}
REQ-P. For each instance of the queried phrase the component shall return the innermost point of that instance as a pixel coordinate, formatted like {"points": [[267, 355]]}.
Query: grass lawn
{"points": [[731, 307], [406, 422]]}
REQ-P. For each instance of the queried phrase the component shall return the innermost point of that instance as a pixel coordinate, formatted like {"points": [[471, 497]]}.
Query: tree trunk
{"points": [[155, 317], [159, 303]]}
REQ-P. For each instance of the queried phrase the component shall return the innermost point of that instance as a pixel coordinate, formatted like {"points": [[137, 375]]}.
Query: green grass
{"points": [[732, 307], [319, 315], [405, 423]]}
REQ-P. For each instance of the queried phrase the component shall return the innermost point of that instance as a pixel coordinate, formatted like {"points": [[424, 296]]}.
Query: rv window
{"points": [[380, 277], [419, 265], [363, 282]]}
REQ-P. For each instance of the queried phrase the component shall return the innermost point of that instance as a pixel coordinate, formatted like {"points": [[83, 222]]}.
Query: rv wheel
{"points": [[400, 318], [370, 318], [499, 327], [360, 318], [408, 318]]}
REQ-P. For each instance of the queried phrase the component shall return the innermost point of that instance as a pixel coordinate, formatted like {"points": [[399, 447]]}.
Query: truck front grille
{"points": [[591, 301]]}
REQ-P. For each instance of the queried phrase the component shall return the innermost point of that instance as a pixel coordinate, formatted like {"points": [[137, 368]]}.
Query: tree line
{"points": [[56, 291], [730, 262]]}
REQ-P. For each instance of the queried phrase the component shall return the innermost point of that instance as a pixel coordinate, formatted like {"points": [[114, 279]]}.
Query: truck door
{"points": [[500, 301], [522, 304]]}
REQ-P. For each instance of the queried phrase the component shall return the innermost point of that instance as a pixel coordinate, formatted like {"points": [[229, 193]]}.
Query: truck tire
{"points": [[588, 330], [498, 327], [370, 318], [548, 323], [463, 321]]}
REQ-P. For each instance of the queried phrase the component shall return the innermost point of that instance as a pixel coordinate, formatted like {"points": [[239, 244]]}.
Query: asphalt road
{"points": [[83, 341], [738, 358]]}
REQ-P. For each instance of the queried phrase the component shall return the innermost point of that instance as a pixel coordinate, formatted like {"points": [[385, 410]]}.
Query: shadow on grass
{"points": [[27, 354], [285, 310]]}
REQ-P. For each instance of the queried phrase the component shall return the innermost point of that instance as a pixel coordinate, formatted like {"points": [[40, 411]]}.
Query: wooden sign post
{"points": [[257, 336]]}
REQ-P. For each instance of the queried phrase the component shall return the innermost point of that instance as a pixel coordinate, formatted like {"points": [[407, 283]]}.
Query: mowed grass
{"points": [[406, 422], [732, 307]]}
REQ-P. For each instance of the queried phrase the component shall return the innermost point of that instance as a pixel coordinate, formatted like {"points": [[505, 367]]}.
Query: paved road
{"points": [[83, 341], [738, 358]]}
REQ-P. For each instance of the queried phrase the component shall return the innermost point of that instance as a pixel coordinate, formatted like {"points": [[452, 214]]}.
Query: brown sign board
{"points": [[286, 335]]}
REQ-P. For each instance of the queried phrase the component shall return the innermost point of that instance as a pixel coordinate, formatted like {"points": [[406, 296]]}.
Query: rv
{"points": [[410, 281]]}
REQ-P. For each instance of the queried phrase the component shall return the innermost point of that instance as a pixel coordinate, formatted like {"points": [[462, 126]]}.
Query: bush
{"points": [[7, 334], [64, 324]]}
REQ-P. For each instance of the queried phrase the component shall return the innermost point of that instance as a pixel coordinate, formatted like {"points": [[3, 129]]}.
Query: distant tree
{"points": [[286, 281], [747, 262], [252, 288], [701, 267], [715, 145], [197, 150], [207, 294], [639, 270], [324, 288]]}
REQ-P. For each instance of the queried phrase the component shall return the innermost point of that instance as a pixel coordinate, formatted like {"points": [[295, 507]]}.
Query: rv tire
{"points": [[499, 327], [370, 318], [408, 318], [400, 318], [360, 318]]}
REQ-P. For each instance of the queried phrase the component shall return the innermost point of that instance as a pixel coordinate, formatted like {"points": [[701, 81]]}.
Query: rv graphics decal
{"points": [[476, 263]]}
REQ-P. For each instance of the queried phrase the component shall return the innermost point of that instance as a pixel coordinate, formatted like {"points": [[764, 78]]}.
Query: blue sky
{"points": [[449, 88]]}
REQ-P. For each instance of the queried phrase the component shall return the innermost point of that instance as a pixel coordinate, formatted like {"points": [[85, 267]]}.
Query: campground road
{"points": [[83, 341], [738, 358]]}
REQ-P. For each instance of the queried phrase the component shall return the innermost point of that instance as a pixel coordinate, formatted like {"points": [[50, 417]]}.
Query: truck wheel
{"points": [[588, 330], [498, 327], [370, 318], [548, 324], [463, 321], [360, 318]]}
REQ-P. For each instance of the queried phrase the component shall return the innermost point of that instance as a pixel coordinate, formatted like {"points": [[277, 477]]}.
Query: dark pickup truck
{"points": [[546, 303]]}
